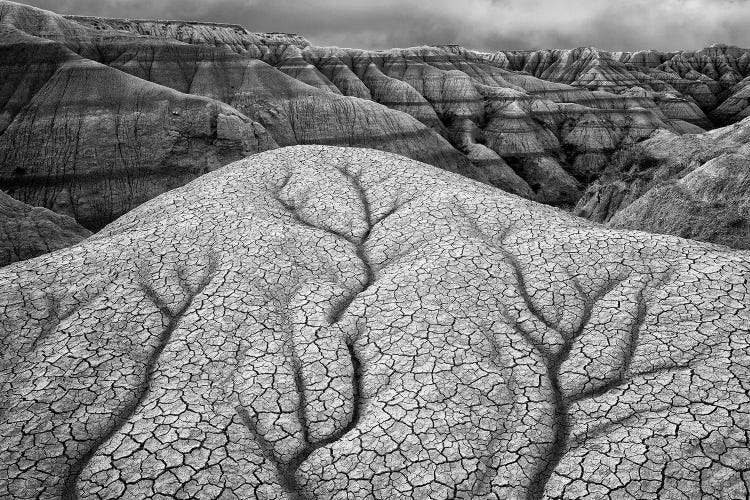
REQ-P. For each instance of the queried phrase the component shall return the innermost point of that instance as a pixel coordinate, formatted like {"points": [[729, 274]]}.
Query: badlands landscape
{"points": [[237, 265]]}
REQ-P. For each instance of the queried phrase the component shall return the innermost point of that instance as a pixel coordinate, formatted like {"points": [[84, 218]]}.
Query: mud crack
{"points": [[287, 471], [174, 317]]}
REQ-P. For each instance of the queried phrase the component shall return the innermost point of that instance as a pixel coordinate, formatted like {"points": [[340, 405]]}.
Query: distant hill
{"points": [[99, 115]]}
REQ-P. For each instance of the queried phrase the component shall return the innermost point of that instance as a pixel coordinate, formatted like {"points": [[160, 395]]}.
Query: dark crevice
{"points": [[487, 470], [299, 385], [299, 459], [559, 445], [554, 360], [561, 404], [288, 471], [56, 316], [70, 491], [288, 482], [604, 428], [292, 209], [360, 250], [588, 307], [635, 331], [521, 288], [359, 243], [356, 407], [523, 291], [621, 378]]}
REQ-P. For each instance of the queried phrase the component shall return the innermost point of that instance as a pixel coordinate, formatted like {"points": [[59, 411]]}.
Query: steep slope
{"points": [[318, 322], [736, 104], [26, 232], [92, 142], [694, 186], [493, 116], [448, 107], [705, 87], [711, 203], [549, 125], [230, 36]]}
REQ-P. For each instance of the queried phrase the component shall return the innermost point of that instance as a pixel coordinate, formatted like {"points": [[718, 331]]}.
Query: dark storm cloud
{"points": [[480, 24]]}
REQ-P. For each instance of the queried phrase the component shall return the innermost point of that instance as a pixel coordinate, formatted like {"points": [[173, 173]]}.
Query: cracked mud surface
{"points": [[318, 322]]}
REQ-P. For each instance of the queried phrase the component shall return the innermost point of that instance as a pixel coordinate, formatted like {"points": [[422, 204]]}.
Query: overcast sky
{"points": [[478, 24]]}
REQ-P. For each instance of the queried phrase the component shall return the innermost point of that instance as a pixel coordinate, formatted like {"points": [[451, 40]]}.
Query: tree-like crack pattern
{"points": [[319, 322], [287, 470], [173, 316]]}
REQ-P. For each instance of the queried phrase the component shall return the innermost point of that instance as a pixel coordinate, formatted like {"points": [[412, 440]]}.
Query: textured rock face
{"points": [[699, 87], [449, 107], [26, 232], [125, 116], [694, 186], [230, 36], [87, 140], [711, 203], [318, 322], [99, 115]]}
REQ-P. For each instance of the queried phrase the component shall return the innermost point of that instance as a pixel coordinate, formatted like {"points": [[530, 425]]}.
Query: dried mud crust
{"points": [[318, 322]]}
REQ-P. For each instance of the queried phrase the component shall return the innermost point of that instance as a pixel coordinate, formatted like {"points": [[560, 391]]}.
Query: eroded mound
{"points": [[320, 322], [26, 231], [695, 186], [98, 115]]}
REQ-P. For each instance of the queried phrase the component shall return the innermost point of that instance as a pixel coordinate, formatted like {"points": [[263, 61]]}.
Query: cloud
{"points": [[479, 24]]}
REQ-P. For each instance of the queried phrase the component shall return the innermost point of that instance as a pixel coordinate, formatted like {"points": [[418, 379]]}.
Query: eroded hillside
{"points": [[99, 115], [79, 95], [318, 322], [694, 186], [26, 232]]}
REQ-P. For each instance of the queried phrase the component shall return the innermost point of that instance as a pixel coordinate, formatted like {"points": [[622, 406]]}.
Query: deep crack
{"points": [[288, 471], [70, 490]]}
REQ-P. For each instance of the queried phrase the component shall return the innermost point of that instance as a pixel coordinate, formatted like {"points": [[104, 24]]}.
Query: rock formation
{"points": [[702, 87], [96, 119], [240, 93], [84, 139], [694, 186], [26, 232], [99, 115], [320, 322]]}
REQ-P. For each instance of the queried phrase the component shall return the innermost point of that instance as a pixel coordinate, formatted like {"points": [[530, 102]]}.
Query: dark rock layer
{"points": [[26, 232], [685, 84], [99, 115], [453, 109]]}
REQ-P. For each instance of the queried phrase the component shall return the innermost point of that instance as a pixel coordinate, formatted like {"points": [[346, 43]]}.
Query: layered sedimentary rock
{"points": [[87, 140], [736, 104], [99, 115], [230, 36], [95, 122], [318, 322], [704, 87], [27, 232], [447, 106], [694, 186], [711, 203]]}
